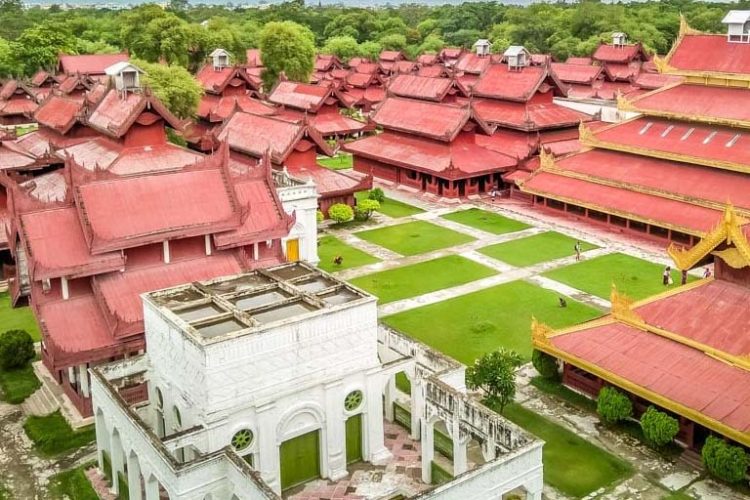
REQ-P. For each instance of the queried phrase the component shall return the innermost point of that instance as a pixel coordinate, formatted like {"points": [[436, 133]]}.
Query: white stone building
{"points": [[300, 198], [258, 382]]}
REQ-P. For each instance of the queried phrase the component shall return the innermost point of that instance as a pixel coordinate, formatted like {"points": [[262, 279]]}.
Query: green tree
{"points": [[9, 65], [658, 427], [340, 213], [343, 47], [393, 42], [179, 5], [495, 374], [371, 50], [613, 406], [376, 194], [545, 364], [365, 208], [431, 44], [286, 47], [39, 46], [16, 349], [728, 463], [174, 86]]}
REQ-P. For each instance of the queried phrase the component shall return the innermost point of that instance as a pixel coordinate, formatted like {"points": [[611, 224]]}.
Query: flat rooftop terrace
{"points": [[223, 308]]}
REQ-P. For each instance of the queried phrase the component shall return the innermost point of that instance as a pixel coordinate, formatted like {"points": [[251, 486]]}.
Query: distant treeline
{"points": [[184, 35]]}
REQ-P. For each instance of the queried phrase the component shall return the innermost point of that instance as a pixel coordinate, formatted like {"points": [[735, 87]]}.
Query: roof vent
{"points": [[738, 26], [125, 75], [619, 39], [482, 46], [517, 57], [220, 58]]}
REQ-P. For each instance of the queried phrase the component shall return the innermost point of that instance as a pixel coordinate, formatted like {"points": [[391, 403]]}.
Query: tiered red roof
{"points": [[436, 121], [692, 54], [606, 53], [89, 64], [576, 73], [420, 87]]}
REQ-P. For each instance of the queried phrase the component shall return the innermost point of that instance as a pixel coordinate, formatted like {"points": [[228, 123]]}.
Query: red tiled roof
{"points": [[715, 314], [666, 368], [121, 291], [329, 182], [526, 116], [18, 105], [711, 53], [218, 108], [358, 79], [253, 58], [57, 247], [451, 52], [264, 217], [92, 64], [500, 82], [686, 217], [331, 122], [508, 142], [695, 102], [367, 67], [622, 71], [39, 78], [299, 95], [689, 182], [653, 81], [579, 60], [699, 143], [216, 80], [461, 158], [618, 54], [404, 67], [391, 55], [420, 87], [433, 71], [113, 112], [472, 63], [12, 156], [437, 121], [269, 133], [59, 113], [609, 90], [427, 59], [132, 211], [559, 148], [576, 73]]}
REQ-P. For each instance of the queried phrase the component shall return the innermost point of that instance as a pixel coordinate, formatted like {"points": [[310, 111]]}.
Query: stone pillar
{"points": [[534, 488], [428, 451], [64, 286], [117, 463], [375, 449], [390, 397], [83, 377], [165, 251], [255, 251], [460, 447], [268, 463], [134, 478], [102, 441], [335, 435], [417, 408], [152, 488], [208, 244]]}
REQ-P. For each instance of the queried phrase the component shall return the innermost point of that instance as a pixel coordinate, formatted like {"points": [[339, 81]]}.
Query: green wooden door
{"points": [[354, 439], [300, 459]]}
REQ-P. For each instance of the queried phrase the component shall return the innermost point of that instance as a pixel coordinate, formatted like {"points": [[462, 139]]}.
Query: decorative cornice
{"points": [[540, 333], [547, 160], [622, 309]]}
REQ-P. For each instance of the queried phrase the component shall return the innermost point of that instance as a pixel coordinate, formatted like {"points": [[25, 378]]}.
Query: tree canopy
{"points": [[286, 47], [174, 86]]}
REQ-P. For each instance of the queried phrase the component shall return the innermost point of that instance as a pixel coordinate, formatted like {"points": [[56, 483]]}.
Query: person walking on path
{"points": [[666, 277], [683, 280], [578, 250], [706, 273], [493, 193]]}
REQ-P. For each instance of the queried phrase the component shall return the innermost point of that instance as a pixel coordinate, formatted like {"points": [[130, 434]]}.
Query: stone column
{"points": [[375, 449], [268, 464], [134, 478], [390, 397], [428, 451], [152, 488], [83, 376], [417, 407], [335, 432], [460, 460]]}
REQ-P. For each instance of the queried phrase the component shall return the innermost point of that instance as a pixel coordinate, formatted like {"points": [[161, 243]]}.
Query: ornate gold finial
{"points": [[540, 332], [585, 135], [662, 66], [546, 160], [621, 307], [623, 104]]}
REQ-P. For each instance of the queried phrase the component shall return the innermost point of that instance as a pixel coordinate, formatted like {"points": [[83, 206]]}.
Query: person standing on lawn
{"points": [[578, 250], [666, 277]]}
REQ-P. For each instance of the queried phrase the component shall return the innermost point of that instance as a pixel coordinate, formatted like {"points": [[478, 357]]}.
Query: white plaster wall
{"points": [[608, 109], [302, 200]]}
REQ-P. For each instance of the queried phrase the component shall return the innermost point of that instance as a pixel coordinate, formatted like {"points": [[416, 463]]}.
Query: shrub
{"points": [[365, 208], [545, 364], [340, 213], [16, 349], [658, 427], [376, 194], [319, 216], [613, 406], [495, 374], [723, 460]]}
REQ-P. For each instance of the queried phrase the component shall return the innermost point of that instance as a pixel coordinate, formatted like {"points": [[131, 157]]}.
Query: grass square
{"points": [[341, 161], [392, 208], [535, 249], [572, 465], [486, 221], [20, 318], [413, 238], [636, 278], [468, 326], [425, 277], [18, 384], [330, 247]]}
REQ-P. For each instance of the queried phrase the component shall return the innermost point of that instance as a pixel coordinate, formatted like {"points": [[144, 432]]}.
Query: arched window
{"points": [[177, 418], [159, 399]]}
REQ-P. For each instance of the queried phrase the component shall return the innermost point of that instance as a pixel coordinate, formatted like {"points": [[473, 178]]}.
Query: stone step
{"points": [[40, 403], [100, 484]]}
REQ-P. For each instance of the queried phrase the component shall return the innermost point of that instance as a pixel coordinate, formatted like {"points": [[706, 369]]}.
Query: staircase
{"points": [[100, 484], [41, 403]]}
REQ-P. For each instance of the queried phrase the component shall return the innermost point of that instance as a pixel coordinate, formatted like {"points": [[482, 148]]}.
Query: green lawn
{"points": [[572, 465], [535, 249], [470, 325], [20, 318], [52, 435], [17, 385], [486, 221], [339, 162], [329, 247], [634, 277], [413, 238], [393, 208], [72, 484], [425, 277]]}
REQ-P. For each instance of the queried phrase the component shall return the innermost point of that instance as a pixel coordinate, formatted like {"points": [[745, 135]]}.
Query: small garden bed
{"points": [[73, 484], [17, 385], [486, 221], [52, 435]]}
